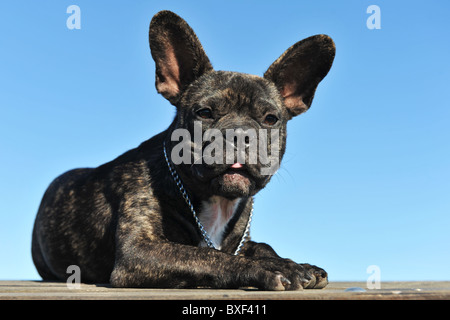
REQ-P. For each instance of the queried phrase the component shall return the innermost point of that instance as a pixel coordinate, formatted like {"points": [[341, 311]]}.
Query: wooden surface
{"points": [[38, 290]]}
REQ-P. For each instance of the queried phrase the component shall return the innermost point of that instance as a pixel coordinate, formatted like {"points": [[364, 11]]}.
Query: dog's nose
{"points": [[241, 133], [241, 144], [246, 140]]}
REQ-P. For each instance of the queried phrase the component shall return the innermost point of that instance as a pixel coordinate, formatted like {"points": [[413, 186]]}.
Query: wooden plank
{"points": [[38, 290]]}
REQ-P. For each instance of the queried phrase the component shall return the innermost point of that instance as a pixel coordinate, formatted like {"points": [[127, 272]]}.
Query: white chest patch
{"points": [[215, 214]]}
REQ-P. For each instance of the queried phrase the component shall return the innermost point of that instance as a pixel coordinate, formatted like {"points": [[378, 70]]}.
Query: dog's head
{"points": [[229, 134]]}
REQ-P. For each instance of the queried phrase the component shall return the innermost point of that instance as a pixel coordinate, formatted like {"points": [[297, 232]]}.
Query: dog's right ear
{"points": [[178, 54]]}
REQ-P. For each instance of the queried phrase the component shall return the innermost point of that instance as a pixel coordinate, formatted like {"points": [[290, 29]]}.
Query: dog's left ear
{"points": [[178, 54], [298, 71]]}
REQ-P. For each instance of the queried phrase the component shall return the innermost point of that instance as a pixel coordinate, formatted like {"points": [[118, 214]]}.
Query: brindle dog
{"points": [[126, 222]]}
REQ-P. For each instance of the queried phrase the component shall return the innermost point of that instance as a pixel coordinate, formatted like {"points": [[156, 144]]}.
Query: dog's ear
{"points": [[178, 54], [298, 71]]}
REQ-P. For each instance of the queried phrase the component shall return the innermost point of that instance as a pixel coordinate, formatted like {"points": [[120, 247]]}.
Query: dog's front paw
{"points": [[317, 278], [294, 276]]}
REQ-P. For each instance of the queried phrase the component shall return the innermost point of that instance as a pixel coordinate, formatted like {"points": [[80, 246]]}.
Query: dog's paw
{"points": [[281, 282], [288, 275], [317, 278], [269, 280]]}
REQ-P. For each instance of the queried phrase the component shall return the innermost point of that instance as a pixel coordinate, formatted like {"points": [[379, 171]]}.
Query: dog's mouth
{"points": [[237, 174], [230, 181], [236, 171]]}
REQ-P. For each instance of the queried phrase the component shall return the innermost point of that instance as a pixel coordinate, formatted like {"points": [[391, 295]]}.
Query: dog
{"points": [[149, 219]]}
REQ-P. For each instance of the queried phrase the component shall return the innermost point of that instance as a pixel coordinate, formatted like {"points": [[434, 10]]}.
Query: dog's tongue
{"points": [[237, 165]]}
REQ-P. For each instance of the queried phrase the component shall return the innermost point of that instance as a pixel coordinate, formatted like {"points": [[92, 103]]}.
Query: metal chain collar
{"points": [[186, 198]]}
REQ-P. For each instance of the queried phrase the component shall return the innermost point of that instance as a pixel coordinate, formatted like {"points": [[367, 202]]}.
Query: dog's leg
{"points": [[171, 265], [259, 250]]}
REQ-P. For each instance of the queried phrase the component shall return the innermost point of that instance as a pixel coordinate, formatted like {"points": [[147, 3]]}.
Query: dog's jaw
{"points": [[215, 214], [235, 183]]}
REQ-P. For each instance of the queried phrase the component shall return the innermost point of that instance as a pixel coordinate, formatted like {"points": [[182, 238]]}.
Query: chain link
{"points": [[186, 198]]}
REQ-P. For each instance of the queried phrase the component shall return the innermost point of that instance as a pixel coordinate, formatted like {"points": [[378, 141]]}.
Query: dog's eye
{"points": [[270, 120], [205, 113]]}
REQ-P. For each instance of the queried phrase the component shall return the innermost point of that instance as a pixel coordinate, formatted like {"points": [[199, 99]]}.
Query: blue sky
{"points": [[366, 176]]}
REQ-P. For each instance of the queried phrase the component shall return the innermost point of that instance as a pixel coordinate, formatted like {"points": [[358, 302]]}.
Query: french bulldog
{"points": [[160, 217]]}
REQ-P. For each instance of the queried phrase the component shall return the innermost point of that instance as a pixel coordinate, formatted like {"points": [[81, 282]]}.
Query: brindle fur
{"points": [[126, 223]]}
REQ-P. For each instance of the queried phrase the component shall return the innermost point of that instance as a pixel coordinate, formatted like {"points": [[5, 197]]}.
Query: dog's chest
{"points": [[215, 214]]}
